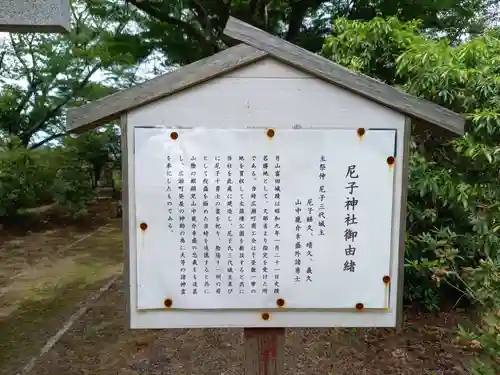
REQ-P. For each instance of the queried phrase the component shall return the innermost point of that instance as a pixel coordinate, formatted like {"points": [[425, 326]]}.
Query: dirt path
{"points": [[99, 344], [44, 278]]}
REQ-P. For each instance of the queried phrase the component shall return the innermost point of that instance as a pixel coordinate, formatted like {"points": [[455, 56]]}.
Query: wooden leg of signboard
{"points": [[264, 351]]}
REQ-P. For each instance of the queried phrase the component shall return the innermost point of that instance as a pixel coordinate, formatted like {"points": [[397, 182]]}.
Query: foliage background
{"points": [[452, 245], [445, 51]]}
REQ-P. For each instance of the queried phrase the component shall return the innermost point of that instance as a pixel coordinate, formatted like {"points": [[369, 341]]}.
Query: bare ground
{"points": [[43, 281], [46, 272], [99, 344]]}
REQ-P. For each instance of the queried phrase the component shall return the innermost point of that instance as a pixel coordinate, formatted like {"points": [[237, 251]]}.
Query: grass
{"points": [[100, 344], [44, 277], [25, 331], [43, 281]]}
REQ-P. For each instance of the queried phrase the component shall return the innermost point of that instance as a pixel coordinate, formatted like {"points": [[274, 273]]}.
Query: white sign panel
{"points": [[237, 219]]}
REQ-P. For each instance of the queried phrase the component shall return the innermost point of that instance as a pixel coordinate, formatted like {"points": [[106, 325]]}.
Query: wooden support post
{"points": [[264, 351]]}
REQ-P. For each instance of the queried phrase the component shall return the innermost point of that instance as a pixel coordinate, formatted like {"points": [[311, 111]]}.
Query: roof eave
{"points": [[111, 107], [327, 70]]}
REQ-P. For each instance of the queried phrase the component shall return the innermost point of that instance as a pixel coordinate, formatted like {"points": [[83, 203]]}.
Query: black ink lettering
{"points": [[350, 251], [350, 219], [351, 172], [351, 186], [350, 266], [351, 203]]}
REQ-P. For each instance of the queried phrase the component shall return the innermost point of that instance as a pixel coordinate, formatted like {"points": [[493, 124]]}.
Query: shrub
{"points": [[453, 225], [24, 181], [30, 178]]}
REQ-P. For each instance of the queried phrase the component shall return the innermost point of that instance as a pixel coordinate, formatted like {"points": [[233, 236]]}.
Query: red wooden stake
{"points": [[264, 351]]}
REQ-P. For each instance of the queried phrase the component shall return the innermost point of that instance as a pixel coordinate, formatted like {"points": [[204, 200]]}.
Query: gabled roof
{"points": [[334, 73], [111, 107], [256, 45]]}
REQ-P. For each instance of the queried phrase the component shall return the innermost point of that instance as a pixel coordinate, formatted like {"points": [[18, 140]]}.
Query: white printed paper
{"points": [[236, 219]]}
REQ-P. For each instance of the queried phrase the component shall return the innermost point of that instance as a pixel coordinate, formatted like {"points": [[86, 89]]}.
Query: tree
{"points": [[188, 30], [24, 182], [453, 241], [95, 148], [41, 74], [33, 177]]}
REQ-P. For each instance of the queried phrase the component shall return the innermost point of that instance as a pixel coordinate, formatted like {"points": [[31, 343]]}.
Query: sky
{"points": [[147, 70]]}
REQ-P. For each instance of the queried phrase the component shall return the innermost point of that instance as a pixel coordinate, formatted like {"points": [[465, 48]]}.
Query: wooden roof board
{"points": [[35, 16], [327, 70], [111, 107]]}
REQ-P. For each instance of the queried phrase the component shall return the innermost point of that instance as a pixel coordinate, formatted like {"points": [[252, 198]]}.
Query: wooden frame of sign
{"points": [[35, 16], [285, 118]]}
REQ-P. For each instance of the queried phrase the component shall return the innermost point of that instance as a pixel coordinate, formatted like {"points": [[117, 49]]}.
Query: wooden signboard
{"points": [[264, 187], [256, 221]]}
